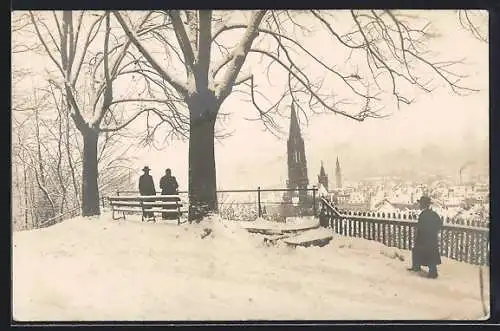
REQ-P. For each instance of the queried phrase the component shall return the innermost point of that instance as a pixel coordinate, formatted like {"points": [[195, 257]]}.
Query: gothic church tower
{"points": [[297, 164], [323, 177], [338, 174]]}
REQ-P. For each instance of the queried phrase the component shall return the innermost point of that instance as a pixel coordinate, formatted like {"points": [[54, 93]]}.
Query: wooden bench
{"points": [[147, 204]]}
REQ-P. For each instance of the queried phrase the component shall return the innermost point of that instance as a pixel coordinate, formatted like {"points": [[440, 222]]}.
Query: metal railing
{"points": [[234, 204], [462, 243]]}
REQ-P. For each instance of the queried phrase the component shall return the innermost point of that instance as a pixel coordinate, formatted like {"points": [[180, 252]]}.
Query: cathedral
{"points": [[297, 163]]}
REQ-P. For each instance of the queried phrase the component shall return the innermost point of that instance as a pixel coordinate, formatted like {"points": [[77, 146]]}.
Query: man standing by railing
{"points": [[146, 187], [426, 250]]}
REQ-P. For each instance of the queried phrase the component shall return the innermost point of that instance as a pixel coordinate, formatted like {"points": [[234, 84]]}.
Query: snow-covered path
{"points": [[98, 269]]}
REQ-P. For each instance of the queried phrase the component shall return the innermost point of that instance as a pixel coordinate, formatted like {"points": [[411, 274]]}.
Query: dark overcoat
{"points": [[146, 185], [168, 185], [426, 248]]}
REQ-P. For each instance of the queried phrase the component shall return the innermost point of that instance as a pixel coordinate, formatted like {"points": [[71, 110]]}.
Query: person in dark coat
{"points": [[425, 251], [146, 187], [169, 186]]}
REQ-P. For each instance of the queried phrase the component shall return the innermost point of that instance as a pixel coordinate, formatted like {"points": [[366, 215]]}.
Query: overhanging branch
{"points": [[182, 38], [170, 78], [238, 56]]}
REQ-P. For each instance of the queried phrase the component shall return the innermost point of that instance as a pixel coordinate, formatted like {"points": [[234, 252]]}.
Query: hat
{"points": [[146, 168]]}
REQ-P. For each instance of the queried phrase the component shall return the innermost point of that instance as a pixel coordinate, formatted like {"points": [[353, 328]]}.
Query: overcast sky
{"points": [[252, 157]]}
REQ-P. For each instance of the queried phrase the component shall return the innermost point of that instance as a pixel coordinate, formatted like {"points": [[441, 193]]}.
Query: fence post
{"points": [[258, 201], [314, 200], [118, 193], [102, 200]]}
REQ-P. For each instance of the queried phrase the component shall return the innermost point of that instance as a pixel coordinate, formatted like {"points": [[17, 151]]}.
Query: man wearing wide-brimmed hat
{"points": [[146, 187], [425, 252]]}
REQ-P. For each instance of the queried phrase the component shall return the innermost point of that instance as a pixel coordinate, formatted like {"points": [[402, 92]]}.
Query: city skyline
{"points": [[440, 118]]}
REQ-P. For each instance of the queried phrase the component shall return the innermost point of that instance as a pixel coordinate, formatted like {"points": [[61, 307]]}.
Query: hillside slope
{"points": [[98, 269]]}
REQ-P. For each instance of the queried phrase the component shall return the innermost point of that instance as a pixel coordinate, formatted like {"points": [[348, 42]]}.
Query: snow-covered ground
{"points": [[98, 269]]}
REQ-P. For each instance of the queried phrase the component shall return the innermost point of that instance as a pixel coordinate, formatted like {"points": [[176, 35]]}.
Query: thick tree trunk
{"points": [[90, 190], [202, 176]]}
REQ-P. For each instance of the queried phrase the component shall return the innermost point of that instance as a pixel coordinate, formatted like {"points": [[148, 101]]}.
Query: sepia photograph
{"points": [[250, 165]]}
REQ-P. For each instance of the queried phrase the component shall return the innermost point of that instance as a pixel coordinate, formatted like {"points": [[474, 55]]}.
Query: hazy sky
{"points": [[252, 157], [441, 117]]}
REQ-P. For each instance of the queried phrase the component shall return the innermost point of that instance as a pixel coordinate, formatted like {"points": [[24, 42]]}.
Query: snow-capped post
{"points": [[258, 200]]}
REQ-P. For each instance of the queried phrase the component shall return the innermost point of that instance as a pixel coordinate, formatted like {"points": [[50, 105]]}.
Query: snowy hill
{"points": [[98, 269]]}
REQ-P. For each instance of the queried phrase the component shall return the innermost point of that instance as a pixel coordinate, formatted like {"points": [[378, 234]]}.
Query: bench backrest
{"points": [[145, 198], [140, 202]]}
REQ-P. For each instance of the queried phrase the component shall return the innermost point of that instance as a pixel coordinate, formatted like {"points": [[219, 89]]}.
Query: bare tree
{"points": [[91, 59], [386, 53], [47, 149]]}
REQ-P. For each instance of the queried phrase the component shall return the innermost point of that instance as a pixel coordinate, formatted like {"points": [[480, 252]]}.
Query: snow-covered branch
{"points": [[169, 77], [238, 56], [183, 39]]}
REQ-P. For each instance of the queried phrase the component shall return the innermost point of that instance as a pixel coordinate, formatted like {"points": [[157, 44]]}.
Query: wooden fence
{"points": [[462, 243]]}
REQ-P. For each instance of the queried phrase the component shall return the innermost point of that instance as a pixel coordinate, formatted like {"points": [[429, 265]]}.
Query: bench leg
{"points": [[147, 215], [143, 212], [117, 218]]}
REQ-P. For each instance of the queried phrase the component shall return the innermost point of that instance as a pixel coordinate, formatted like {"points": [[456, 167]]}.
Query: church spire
{"points": [[323, 178], [338, 174], [294, 124], [297, 163], [322, 172]]}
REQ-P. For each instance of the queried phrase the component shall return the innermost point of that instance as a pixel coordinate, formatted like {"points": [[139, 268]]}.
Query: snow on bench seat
{"points": [[315, 237]]}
